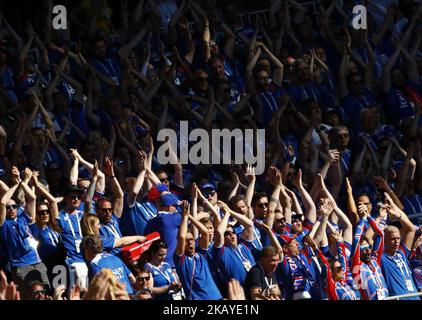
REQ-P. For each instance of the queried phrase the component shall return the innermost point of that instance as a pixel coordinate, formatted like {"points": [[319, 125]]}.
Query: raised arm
{"points": [[89, 196], [44, 192], [248, 232], [219, 234], [309, 204], [183, 230], [204, 240], [386, 72], [133, 194], [30, 197], [89, 166], [351, 205], [118, 195], [9, 194], [408, 229]]}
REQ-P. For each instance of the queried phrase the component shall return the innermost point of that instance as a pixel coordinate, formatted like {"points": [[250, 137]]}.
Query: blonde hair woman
{"points": [[90, 225]]}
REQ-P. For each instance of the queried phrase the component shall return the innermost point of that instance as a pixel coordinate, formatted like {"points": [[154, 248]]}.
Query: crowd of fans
{"points": [[337, 214]]}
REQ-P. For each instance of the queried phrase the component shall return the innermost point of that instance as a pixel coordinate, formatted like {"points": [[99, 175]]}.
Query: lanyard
{"points": [[113, 230], [159, 269], [192, 277], [113, 71], [239, 254], [306, 94], [272, 104], [269, 284], [71, 226], [53, 236]]}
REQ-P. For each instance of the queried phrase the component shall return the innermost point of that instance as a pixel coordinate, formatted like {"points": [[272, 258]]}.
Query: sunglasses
{"points": [[338, 269], [43, 212], [144, 278], [106, 209], [209, 194], [75, 197], [365, 247], [39, 292], [164, 180], [263, 205], [12, 207], [228, 233]]}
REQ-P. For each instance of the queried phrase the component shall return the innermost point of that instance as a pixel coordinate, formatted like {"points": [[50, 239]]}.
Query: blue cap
{"points": [[207, 186], [162, 187], [168, 199]]}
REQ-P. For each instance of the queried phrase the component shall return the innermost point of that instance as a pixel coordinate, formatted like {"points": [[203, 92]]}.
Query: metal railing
{"points": [[409, 295]]}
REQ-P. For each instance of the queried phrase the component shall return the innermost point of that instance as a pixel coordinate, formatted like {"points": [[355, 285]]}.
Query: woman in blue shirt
{"points": [[45, 229], [166, 283]]}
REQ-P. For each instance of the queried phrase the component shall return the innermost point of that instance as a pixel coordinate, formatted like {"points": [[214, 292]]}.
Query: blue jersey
{"points": [[108, 261], [163, 276], [234, 262], [167, 225], [397, 106], [111, 231], [48, 240], [353, 105], [71, 233], [398, 275], [134, 220], [196, 278], [17, 242], [413, 208]]}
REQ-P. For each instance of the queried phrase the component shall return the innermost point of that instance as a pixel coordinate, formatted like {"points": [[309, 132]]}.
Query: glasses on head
{"points": [[228, 233], [263, 205], [107, 209], [43, 212], [147, 278], [12, 207]]}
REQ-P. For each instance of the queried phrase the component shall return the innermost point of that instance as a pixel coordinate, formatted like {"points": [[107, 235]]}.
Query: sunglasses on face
{"points": [[11, 207], [228, 233], [365, 247], [106, 209], [147, 278], [338, 269], [263, 205], [75, 197], [164, 180], [209, 194], [39, 292], [43, 212]]}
